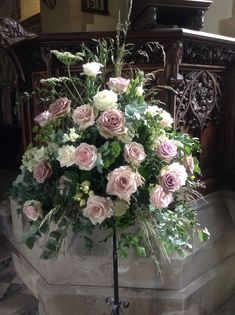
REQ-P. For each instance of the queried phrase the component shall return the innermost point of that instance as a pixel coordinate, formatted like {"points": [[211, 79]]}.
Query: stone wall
{"points": [[220, 9], [68, 17]]}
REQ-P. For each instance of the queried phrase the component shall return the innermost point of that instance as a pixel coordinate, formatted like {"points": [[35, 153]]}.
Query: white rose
{"points": [[73, 136], [91, 69], [166, 119], [66, 155], [105, 99], [153, 110]]}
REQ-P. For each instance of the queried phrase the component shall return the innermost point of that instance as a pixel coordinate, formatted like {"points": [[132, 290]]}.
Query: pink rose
{"points": [[98, 209], [134, 153], [173, 177], [41, 171], [166, 151], [85, 156], [188, 163], [32, 209], [60, 107], [159, 199], [84, 116], [43, 118], [118, 85], [111, 123], [123, 182]]}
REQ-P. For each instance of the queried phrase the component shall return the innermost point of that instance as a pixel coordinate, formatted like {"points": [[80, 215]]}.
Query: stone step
{"points": [[228, 308], [180, 272], [202, 296], [19, 303]]}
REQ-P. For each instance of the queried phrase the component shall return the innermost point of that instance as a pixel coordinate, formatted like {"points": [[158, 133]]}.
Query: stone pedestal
{"points": [[78, 282]]}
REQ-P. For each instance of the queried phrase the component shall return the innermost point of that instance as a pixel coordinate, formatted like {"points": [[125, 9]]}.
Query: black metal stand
{"points": [[114, 302]]}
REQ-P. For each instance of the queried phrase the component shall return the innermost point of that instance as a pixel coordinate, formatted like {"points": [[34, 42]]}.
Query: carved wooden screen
{"points": [[197, 66]]}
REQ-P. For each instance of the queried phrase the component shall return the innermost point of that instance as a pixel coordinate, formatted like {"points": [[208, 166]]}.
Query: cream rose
{"points": [[159, 199], [98, 209], [85, 156], [123, 182], [32, 209], [134, 153], [105, 99], [111, 123], [60, 107], [84, 116], [166, 119], [66, 155], [118, 85], [91, 69], [41, 171]]}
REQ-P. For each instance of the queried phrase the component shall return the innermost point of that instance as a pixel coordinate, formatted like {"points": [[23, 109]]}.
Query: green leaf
{"points": [[115, 148], [31, 241], [141, 251], [88, 242], [47, 254], [122, 252], [203, 235]]}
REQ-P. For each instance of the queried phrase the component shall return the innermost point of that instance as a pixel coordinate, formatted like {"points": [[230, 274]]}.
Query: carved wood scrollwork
{"points": [[199, 100], [208, 55]]}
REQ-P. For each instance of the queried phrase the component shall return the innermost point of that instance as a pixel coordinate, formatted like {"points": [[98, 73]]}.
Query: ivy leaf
{"points": [[31, 241], [203, 234]]}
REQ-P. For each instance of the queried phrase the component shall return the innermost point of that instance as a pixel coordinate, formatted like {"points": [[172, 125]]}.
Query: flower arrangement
{"points": [[105, 156]]}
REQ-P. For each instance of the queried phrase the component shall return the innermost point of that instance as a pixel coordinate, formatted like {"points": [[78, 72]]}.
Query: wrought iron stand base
{"points": [[114, 303]]}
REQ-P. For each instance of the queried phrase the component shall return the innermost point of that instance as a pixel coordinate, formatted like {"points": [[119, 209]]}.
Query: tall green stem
{"points": [[75, 88]]}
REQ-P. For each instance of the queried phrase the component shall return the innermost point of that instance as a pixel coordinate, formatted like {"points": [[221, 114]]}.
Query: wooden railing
{"points": [[199, 66]]}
